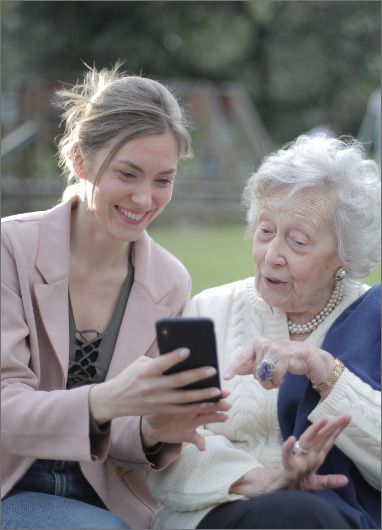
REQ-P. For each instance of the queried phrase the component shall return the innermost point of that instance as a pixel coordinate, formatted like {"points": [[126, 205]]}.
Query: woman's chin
{"points": [[274, 298]]}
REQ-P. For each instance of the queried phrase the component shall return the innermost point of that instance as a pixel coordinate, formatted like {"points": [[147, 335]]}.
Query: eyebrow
{"points": [[137, 168], [310, 228]]}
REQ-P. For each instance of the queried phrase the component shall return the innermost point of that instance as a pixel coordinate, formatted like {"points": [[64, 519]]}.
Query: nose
{"points": [[275, 255], [142, 195]]}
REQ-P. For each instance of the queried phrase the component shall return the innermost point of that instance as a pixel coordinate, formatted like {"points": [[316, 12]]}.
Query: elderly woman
{"points": [[301, 448]]}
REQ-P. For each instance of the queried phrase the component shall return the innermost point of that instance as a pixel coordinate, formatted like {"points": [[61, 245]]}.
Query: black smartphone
{"points": [[198, 335]]}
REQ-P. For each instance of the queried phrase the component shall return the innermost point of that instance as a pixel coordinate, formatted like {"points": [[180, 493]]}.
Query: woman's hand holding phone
{"points": [[168, 412], [181, 426], [190, 413], [194, 382]]}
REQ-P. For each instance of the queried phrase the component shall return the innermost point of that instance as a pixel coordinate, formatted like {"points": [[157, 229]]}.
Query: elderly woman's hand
{"points": [[298, 471], [299, 358]]}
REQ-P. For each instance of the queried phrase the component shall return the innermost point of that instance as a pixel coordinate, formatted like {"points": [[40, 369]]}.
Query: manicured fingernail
{"points": [[185, 352], [215, 392], [210, 371]]}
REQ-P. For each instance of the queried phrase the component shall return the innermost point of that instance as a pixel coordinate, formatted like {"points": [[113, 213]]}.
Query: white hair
{"points": [[340, 166]]}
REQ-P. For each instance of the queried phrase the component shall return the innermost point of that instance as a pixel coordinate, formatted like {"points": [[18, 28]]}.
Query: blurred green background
{"points": [[252, 75], [216, 255]]}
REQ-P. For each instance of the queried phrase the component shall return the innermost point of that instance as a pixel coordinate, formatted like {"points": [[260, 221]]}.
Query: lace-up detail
{"points": [[83, 368]]}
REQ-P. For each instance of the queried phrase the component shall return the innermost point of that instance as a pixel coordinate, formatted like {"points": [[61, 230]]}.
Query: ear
{"points": [[78, 162]]}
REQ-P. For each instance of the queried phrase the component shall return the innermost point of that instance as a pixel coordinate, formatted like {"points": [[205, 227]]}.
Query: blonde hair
{"points": [[109, 103]]}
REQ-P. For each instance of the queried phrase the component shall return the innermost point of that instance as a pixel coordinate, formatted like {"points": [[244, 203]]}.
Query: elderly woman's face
{"points": [[295, 252]]}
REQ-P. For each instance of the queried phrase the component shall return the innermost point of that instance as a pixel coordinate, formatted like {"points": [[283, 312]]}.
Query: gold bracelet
{"points": [[339, 368]]}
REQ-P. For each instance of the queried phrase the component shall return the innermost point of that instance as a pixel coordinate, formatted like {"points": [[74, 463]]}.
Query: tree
{"points": [[301, 62]]}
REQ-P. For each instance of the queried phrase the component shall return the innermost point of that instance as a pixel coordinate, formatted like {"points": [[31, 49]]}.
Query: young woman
{"points": [[86, 410]]}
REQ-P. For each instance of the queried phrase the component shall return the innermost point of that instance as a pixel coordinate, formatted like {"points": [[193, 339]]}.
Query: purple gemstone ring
{"points": [[266, 370]]}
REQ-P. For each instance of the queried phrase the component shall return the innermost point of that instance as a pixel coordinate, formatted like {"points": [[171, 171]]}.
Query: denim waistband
{"points": [[59, 477]]}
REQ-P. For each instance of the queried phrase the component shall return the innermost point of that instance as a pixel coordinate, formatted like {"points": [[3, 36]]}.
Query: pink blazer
{"points": [[40, 419]]}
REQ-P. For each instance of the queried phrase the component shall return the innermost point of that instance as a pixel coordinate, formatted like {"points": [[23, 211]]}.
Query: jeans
{"points": [[55, 494]]}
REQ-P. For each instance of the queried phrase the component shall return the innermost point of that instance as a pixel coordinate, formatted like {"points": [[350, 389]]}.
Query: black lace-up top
{"points": [[90, 351]]}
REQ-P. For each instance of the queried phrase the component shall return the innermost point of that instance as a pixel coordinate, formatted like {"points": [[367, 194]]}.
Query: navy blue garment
{"points": [[355, 338]]}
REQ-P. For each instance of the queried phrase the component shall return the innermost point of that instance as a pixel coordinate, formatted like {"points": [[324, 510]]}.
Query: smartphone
{"points": [[198, 335]]}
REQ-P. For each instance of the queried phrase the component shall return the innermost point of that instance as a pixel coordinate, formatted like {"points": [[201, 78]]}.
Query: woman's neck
{"points": [[90, 248]]}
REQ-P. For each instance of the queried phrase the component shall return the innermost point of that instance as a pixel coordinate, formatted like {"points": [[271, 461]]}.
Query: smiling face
{"points": [[134, 186], [295, 252]]}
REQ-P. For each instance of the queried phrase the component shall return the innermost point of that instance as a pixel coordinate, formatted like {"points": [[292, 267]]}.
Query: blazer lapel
{"points": [[53, 261], [52, 301]]}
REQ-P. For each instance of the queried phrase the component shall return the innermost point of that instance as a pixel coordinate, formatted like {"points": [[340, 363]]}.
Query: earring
{"points": [[341, 273]]}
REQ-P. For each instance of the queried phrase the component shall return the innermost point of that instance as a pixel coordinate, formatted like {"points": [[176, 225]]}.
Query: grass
{"points": [[215, 255]]}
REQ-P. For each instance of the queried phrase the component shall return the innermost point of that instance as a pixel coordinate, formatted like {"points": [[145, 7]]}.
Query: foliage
{"points": [[301, 62]]}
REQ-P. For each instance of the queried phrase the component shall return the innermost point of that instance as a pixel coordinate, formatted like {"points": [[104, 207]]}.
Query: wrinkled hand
{"points": [[289, 356], [298, 471], [318, 439], [181, 426]]}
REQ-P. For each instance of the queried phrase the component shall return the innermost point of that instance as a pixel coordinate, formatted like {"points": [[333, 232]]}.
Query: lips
{"points": [[131, 215], [273, 282]]}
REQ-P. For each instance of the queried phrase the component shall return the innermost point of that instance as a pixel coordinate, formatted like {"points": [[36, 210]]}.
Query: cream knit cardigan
{"points": [[199, 481]]}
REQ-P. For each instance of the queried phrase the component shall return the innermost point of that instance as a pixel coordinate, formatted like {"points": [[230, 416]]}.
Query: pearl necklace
{"points": [[333, 301]]}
